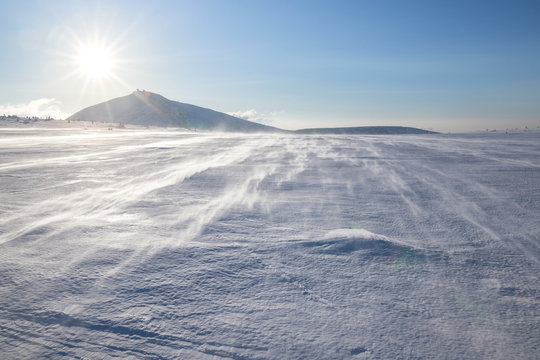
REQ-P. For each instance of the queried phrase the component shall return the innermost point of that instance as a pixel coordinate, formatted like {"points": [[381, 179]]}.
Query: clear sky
{"points": [[444, 65]]}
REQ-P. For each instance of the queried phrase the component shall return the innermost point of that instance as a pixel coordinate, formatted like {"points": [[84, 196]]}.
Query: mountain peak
{"points": [[145, 94]]}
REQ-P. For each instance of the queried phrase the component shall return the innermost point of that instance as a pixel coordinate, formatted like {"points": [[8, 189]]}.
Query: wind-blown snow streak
{"points": [[149, 244]]}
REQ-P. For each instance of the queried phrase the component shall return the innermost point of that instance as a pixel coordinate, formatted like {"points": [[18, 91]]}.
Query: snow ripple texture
{"points": [[142, 244]]}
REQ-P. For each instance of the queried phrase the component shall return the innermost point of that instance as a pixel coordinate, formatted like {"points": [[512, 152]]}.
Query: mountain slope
{"points": [[150, 109]]}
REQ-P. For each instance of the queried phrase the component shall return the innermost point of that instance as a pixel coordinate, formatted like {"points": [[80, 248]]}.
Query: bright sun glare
{"points": [[95, 62]]}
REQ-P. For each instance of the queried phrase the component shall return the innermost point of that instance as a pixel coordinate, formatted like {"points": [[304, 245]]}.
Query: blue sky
{"points": [[445, 65]]}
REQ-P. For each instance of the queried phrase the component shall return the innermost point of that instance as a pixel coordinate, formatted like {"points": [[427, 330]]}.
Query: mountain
{"points": [[368, 130], [150, 109]]}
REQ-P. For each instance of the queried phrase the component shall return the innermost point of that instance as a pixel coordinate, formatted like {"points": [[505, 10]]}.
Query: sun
{"points": [[95, 62]]}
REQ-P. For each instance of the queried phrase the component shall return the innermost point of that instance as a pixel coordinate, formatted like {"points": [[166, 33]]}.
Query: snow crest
{"points": [[346, 241]]}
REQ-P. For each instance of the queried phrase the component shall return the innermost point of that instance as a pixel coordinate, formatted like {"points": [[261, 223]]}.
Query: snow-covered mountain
{"points": [[150, 109]]}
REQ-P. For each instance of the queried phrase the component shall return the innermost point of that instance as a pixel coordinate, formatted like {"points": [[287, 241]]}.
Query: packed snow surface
{"points": [[148, 244]]}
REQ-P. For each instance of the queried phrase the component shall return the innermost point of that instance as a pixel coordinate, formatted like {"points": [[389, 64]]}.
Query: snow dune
{"points": [[169, 244]]}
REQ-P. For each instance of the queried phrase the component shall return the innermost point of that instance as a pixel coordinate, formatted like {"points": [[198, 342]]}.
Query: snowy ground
{"points": [[167, 244]]}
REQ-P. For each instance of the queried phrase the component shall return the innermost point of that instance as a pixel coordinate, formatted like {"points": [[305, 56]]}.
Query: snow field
{"points": [[169, 244]]}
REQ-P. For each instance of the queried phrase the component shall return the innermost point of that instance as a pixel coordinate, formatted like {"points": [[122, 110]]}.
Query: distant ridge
{"points": [[150, 109], [367, 130]]}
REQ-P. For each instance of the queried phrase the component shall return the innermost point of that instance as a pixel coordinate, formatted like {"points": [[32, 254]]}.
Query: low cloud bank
{"points": [[254, 115], [42, 108]]}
